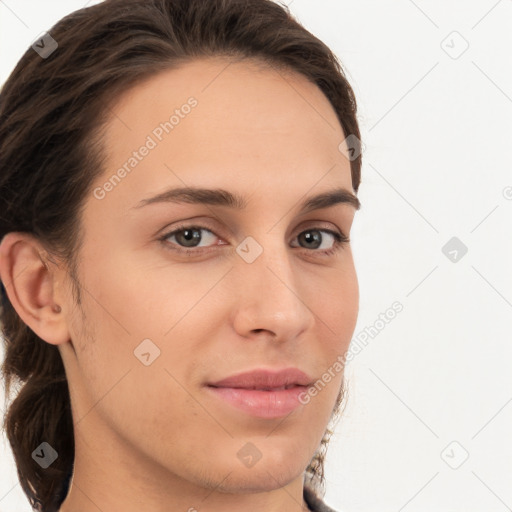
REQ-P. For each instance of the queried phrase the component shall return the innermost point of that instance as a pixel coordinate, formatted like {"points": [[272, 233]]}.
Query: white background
{"points": [[437, 164]]}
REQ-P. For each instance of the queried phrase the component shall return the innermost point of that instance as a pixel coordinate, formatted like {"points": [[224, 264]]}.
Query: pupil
{"points": [[191, 234], [312, 238]]}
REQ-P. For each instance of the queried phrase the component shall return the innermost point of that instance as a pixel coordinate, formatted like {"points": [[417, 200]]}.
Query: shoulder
{"points": [[314, 503]]}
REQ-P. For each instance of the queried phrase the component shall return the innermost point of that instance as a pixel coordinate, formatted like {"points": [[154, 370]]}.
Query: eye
{"points": [[311, 236], [189, 237]]}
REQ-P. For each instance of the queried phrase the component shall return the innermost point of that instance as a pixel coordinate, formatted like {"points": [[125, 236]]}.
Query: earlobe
{"points": [[29, 285]]}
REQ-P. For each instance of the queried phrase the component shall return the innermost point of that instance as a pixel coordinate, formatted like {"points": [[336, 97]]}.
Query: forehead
{"points": [[245, 87], [215, 121]]}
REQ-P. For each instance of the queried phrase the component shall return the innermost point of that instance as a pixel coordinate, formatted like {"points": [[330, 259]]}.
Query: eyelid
{"points": [[204, 223], [340, 239]]}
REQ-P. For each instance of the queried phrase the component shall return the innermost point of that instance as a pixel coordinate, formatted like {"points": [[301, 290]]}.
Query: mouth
{"points": [[254, 388], [262, 393], [262, 378], [263, 403]]}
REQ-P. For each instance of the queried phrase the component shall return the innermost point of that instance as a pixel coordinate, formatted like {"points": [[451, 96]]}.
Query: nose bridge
{"points": [[267, 262], [269, 291]]}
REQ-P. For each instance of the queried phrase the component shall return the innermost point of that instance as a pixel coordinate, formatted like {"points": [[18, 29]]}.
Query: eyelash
{"points": [[339, 240]]}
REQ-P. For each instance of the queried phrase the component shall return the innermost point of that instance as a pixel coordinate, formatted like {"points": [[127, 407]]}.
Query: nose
{"points": [[271, 296]]}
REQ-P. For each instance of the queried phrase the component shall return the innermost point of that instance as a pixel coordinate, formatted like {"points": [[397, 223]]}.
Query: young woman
{"points": [[178, 181]]}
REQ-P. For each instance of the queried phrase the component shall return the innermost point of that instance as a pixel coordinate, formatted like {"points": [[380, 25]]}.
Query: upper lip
{"points": [[265, 379]]}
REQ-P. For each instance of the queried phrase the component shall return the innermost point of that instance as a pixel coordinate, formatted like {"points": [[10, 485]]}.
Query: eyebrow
{"points": [[222, 197]]}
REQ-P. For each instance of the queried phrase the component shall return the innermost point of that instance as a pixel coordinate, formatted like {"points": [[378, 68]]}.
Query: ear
{"points": [[29, 284]]}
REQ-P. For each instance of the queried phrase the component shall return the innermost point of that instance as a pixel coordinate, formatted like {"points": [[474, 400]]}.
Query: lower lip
{"points": [[260, 403]]}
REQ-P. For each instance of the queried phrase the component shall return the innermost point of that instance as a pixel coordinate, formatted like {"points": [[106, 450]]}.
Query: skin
{"points": [[151, 437]]}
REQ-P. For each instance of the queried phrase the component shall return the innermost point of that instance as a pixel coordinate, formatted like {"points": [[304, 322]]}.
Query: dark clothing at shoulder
{"points": [[314, 503]]}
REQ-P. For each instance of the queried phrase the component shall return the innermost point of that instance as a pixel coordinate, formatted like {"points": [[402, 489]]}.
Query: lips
{"points": [[263, 379], [262, 393]]}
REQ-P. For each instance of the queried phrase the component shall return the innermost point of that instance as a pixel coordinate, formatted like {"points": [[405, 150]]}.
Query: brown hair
{"points": [[52, 110]]}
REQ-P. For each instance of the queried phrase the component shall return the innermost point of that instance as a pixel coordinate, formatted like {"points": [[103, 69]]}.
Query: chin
{"points": [[264, 479]]}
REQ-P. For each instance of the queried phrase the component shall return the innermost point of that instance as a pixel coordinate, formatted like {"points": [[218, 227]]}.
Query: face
{"points": [[178, 294]]}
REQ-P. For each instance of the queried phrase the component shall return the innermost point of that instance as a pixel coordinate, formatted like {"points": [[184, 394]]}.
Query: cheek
{"points": [[338, 303], [147, 407], [151, 296], [338, 306]]}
